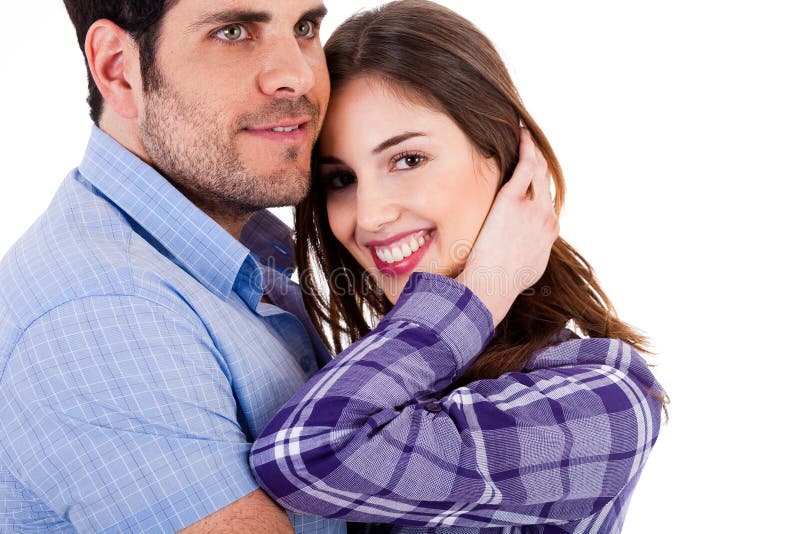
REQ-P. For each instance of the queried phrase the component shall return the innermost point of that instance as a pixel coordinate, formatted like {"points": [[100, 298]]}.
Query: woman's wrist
{"points": [[493, 292]]}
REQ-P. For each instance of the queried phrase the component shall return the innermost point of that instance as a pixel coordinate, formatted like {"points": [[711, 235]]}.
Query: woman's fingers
{"points": [[520, 181], [541, 182], [531, 174], [541, 178]]}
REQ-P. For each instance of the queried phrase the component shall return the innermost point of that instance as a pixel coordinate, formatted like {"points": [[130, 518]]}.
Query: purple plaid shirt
{"points": [[557, 446]]}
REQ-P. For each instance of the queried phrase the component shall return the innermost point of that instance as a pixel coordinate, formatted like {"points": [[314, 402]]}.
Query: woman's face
{"points": [[406, 190]]}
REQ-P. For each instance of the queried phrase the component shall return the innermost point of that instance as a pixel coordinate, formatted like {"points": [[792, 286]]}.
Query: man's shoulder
{"points": [[81, 246]]}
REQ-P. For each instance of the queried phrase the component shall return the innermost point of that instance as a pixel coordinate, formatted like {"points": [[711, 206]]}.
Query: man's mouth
{"points": [[284, 129], [289, 130]]}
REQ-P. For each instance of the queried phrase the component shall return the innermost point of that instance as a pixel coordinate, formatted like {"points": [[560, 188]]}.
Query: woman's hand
{"points": [[513, 247]]}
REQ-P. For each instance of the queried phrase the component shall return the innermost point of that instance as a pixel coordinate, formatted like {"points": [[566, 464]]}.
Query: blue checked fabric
{"points": [[137, 362], [557, 447]]}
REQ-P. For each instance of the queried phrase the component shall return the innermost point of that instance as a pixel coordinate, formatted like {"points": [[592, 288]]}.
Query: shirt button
{"points": [[433, 407]]}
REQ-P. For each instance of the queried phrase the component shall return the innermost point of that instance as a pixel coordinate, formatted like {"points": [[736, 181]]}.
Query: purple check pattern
{"points": [[556, 447]]}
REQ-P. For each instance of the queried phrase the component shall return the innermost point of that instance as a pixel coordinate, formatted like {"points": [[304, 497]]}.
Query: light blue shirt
{"points": [[137, 361]]}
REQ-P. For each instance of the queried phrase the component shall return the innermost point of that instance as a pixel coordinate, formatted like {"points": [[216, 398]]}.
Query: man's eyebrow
{"points": [[315, 13], [243, 15], [396, 140], [230, 16]]}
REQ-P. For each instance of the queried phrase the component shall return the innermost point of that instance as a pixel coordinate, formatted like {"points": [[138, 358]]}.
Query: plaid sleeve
{"points": [[122, 417], [370, 440]]}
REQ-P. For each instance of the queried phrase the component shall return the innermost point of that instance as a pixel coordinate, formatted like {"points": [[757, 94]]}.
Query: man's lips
{"points": [[286, 122], [293, 129]]}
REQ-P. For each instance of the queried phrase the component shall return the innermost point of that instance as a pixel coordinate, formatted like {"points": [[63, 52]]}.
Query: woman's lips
{"points": [[403, 255]]}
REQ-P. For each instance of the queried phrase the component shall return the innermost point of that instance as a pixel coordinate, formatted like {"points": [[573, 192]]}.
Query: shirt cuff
{"points": [[450, 310], [194, 502]]}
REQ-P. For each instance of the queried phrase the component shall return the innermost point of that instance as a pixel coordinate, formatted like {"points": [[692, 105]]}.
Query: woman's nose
{"points": [[375, 207]]}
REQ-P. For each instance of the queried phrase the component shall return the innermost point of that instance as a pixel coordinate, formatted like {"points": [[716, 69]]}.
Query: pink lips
{"points": [[294, 136], [404, 266]]}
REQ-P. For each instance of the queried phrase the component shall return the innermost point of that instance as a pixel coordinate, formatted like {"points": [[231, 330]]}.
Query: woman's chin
{"points": [[392, 287]]}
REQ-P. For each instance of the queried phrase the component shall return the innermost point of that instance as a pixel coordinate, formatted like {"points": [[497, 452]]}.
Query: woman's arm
{"points": [[369, 439]]}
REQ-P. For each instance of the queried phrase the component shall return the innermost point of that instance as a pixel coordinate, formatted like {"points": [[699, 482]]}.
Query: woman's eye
{"points": [[305, 28], [340, 181], [408, 161], [233, 33]]}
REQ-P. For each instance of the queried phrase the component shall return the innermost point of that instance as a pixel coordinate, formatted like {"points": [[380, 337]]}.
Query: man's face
{"points": [[240, 92]]}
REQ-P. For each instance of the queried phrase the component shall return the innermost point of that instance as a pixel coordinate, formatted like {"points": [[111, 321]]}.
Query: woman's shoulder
{"points": [[569, 353], [568, 348]]}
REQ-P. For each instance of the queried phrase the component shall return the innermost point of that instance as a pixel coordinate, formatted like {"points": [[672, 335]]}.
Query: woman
{"points": [[420, 423]]}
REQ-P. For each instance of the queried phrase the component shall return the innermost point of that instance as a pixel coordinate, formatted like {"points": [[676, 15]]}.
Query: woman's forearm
{"points": [[371, 439]]}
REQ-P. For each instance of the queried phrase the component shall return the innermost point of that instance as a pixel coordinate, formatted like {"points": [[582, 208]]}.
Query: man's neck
{"points": [[126, 134], [231, 219]]}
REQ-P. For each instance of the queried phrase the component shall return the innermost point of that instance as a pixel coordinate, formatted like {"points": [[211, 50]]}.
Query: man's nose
{"points": [[287, 70], [375, 207]]}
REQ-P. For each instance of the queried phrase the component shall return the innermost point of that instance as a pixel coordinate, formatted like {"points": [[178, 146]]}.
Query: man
{"points": [[138, 357], [148, 330]]}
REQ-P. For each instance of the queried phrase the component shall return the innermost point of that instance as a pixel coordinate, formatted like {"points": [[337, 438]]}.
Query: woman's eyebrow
{"points": [[397, 139], [392, 141], [329, 160]]}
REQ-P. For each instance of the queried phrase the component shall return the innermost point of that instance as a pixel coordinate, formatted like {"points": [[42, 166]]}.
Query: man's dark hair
{"points": [[140, 18]]}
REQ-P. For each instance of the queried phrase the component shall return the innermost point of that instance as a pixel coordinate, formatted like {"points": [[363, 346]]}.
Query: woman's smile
{"points": [[400, 256]]}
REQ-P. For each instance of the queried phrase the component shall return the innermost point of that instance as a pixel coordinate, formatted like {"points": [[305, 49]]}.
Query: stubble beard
{"points": [[197, 153]]}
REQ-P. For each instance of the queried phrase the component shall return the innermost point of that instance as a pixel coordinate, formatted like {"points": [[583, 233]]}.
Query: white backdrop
{"points": [[677, 127]]}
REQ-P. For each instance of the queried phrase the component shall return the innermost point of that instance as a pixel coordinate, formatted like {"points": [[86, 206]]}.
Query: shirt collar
{"points": [[196, 242], [271, 241]]}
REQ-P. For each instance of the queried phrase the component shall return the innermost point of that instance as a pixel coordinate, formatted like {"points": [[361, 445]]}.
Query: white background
{"points": [[677, 127]]}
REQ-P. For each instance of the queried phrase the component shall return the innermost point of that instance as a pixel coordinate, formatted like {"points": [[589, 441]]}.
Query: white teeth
{"points": [[401, 251], [284, 129]]}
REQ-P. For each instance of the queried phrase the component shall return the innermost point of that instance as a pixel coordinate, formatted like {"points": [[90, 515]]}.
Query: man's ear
{"points": [[113, 59]]}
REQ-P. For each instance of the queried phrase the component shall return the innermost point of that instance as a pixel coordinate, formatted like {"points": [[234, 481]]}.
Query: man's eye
{"points": [[305, 28], [234, 32]]}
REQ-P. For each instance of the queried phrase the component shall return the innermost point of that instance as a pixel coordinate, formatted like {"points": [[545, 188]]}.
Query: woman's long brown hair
{"points": [[430, 53]]}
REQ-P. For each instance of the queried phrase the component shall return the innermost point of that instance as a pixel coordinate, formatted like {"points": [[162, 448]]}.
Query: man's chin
{"points": [[286, 191], [255, 150]]}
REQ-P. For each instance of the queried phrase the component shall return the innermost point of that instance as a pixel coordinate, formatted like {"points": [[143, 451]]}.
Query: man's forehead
{"points": [[272, 9]]}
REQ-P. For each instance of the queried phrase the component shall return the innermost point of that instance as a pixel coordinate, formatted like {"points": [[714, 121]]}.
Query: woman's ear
{"points": [[113, 59]]}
